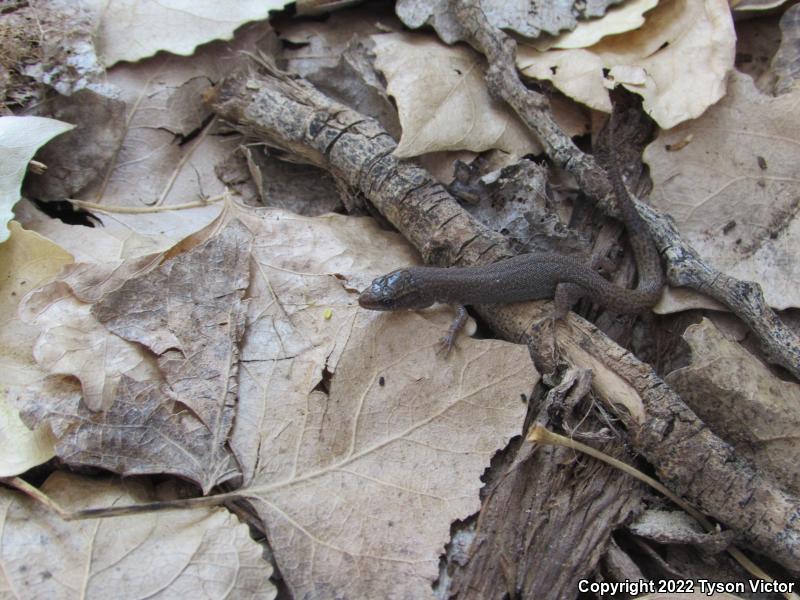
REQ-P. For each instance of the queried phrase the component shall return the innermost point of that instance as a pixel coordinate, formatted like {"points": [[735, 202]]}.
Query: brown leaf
{"points": [[72, 342], [190, 313], [358, 486], [78, 157], [142, 432], [360, 445]]}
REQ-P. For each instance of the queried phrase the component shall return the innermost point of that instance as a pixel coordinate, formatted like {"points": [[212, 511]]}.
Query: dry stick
{"points": [[289, 113], [542, 435], [684, 266]]}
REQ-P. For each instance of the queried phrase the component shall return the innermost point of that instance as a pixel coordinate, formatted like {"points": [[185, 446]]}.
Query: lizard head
{"points": [[394, 291]]}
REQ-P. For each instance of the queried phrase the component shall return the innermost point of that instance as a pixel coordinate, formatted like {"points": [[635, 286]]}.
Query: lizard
{"points": [[524, 277]]}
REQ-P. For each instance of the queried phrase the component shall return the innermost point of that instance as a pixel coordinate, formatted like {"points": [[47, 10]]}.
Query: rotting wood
{"points": [[547, 517], [288, 113]]}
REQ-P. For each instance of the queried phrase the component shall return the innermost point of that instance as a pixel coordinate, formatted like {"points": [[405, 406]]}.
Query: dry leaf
{"points": [[152, 166], [742, 401], [111, 242], [529, 18], [130, 30], [21, 448], [618, 19], [191, 553], [20, 138], [358, 486], [685, 49], [144, 431], [79, 156], [443, 101], [339, 412], [304, 284], [733, 190], [189, 312], [170, 147], [359, 446], [73, 343], [27, 261]]}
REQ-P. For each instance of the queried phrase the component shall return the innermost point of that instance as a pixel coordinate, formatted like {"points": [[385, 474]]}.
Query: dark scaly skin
{"points": [[527, 277]]}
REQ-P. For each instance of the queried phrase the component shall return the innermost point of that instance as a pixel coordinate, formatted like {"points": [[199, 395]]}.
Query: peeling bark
{"points": [[547, 519]]}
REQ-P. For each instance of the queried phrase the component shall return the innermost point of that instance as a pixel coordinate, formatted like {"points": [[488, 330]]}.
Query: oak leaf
{"points": [[26, 261], [188, 312]]}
